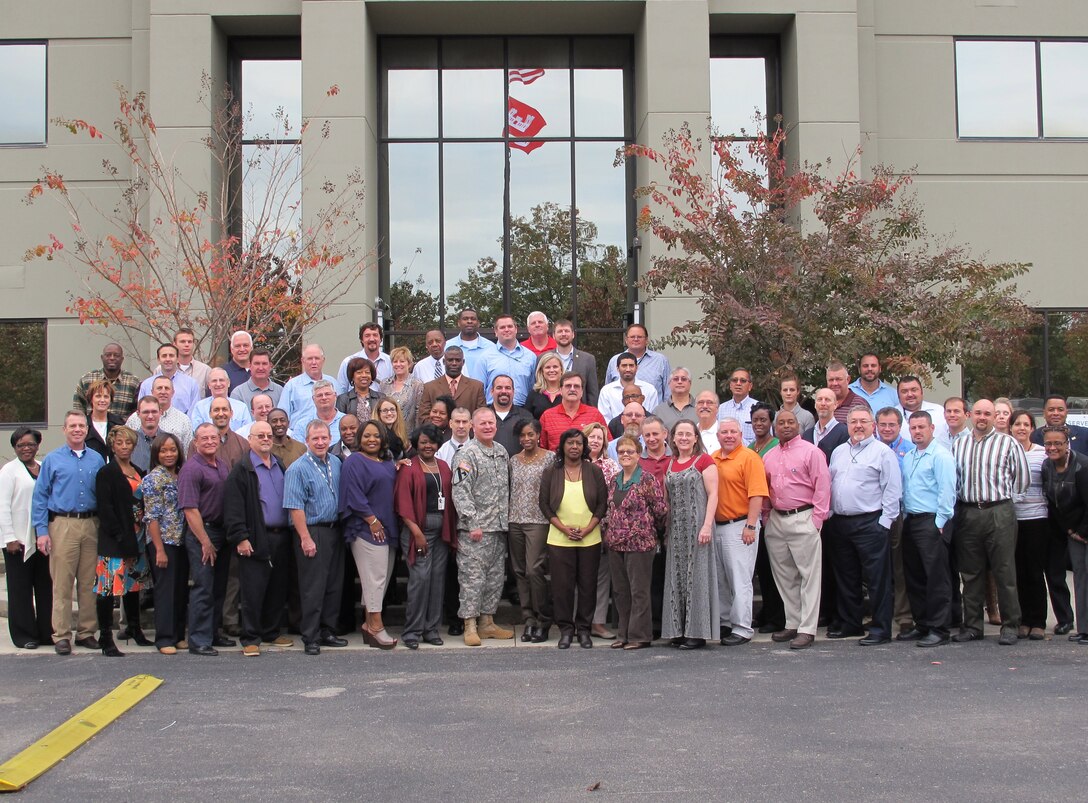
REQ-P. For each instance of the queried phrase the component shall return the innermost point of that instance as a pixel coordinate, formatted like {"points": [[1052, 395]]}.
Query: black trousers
{"points": [[349, 598], [1057, 564], [956, 620], [30, 598], [452, 595], [171, 593], [861, 551], [1032, 545], [771, 610], [262, 586], [927, 573], [574, 568], [657, 587], [320, 582], [829, 598], [209, 587]]}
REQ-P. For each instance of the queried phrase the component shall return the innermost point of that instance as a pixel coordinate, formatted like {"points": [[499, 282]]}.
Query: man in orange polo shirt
{"points": [[742, 486]]}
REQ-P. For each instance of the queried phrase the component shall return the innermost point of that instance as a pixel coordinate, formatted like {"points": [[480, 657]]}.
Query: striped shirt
{"points": [[313, 486], [992, 469]]}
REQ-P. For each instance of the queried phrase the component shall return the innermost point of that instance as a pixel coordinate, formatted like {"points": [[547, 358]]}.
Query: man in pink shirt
{"points": [[800, 495]]}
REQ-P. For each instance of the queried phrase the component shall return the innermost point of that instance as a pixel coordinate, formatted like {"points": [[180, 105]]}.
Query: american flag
{"points": [[526, 76]]}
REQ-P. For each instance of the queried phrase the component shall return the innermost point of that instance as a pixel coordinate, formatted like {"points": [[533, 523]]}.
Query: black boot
{"points": [[132, 630], [104, 607]]}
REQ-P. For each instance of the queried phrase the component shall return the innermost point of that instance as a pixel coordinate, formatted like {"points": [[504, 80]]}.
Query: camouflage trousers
{"points": [[481, 571]]}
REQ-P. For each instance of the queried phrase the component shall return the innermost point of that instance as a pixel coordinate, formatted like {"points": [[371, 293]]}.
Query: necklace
{"points": [[430, 468], [577, 474]]}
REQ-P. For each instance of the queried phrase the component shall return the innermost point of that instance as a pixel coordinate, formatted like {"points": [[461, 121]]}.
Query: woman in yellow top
{"points": [[574, 498]]}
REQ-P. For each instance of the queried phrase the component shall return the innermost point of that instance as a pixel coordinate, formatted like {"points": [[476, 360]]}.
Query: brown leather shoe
{"points": [[783, 635], [802, 642], [1036, 634], [251, 650], [1023, 631]]}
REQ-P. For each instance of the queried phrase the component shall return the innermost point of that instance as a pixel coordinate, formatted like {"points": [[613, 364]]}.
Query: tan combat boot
{"points": [[472, 638], [488, 629]]}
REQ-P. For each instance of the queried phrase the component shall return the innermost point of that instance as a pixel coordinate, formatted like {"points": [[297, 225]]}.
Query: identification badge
{"points": [[441, 502]]}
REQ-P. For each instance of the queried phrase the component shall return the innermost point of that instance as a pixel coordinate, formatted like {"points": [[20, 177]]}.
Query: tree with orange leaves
{"points": [[789, 268], [173, 252]]}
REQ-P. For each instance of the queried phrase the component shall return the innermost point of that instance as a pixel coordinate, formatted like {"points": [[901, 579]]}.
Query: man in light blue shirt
{"points": [[739, 404], [298, 394], [64, 512], [929, 498], [310, 494], [869, 386], [865, 491], [473, 345], [218, 385], [508, 358], [186, 392], [653, 366], [324, 402]]}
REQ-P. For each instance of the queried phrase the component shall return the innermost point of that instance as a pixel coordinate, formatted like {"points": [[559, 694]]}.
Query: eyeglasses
{"points": [[1053, 444], [740, 380], [262, 436], [626, 451]]}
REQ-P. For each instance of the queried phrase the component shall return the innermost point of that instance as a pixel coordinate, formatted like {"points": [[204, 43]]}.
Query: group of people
{"points": [[233, 503]]}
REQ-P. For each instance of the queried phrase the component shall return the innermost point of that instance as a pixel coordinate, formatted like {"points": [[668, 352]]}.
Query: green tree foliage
{"points": [[789, 273]]}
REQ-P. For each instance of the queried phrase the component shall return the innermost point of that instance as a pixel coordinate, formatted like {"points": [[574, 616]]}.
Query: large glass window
{"points": [[1025, 89], [22, 372], [22, 93], [499, 187], [1047, 357]]}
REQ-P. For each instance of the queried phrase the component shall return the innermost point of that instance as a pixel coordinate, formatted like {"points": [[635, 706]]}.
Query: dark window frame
{"points": [[44, 323], [1038, 41], [384, 140]]}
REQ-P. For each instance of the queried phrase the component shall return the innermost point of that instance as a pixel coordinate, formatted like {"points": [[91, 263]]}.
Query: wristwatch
{"points": [[749, 526]]}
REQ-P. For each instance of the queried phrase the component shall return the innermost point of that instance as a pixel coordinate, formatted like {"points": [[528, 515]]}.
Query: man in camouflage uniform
{"points": [[481, 495]]}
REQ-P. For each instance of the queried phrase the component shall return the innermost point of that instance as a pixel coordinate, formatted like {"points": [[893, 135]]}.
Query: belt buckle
{"points": [[980, 505]]}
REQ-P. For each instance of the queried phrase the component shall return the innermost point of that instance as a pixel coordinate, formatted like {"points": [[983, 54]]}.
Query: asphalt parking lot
{"points": [[965, 722]]}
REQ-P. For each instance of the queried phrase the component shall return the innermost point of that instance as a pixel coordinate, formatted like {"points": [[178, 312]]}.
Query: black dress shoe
{"points": [[223, 641], [872, 641], [312, 649], [933, 639], [329, 640], [1078, 637], [435, 640], [541, 635], [844, 633], [410, 643], [676, 642], [693, 643], [208, 651], [733, 640], [967, 635], [527, 633], [911, 635], [90, 643], [63, 647], [585, 640], [564, 640], [457, 628], [772, 627], [30, 645], [1062, 628]]}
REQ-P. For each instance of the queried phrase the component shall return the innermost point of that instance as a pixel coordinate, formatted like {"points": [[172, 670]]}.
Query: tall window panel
{"points": [[22, 372], [498, 186], [22, 93]]}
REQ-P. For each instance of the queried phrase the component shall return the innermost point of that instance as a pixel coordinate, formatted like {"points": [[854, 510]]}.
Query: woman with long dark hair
{"points": [[165, 524]]}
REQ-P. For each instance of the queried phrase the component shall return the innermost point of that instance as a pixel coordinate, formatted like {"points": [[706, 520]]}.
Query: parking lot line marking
{"points": [[56, 745]]}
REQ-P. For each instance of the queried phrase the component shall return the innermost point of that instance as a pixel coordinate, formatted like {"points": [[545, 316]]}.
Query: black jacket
{"points": [[242, 515], [96, 442], [1067, 495], [116, 519]]}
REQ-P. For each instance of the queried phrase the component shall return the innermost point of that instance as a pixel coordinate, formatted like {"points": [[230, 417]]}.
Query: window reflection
{"points": [[472, 206], [738, 90], [23, 362], [413, 213], [1064, 73], [271, 194], [272, 98], [547, 91], [472, 102], [22, 94], [412, 109], [598, 103], [995, 89]]}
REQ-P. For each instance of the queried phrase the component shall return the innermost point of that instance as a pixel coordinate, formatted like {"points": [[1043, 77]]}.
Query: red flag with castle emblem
{"points": [[524, 121]]}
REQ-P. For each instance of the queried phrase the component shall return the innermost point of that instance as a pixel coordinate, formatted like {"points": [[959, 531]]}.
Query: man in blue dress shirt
{"points": [[653, 366], [186, 392], [865, 492], [889, 425], [868, 385], [64, 513], [929, 498], [509, 358], [298, 394], [474, 345]]}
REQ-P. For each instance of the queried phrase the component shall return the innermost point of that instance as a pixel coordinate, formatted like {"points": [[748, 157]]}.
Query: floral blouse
{"points": [[525, 488], [160, 493], [633, 524], [609, 467]]}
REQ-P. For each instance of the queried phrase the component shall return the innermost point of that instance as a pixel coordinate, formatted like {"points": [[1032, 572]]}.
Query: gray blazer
{"points": [[585, 364]]}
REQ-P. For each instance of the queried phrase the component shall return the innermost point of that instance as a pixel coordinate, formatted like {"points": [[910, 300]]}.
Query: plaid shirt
{"points": [[125, 389]]}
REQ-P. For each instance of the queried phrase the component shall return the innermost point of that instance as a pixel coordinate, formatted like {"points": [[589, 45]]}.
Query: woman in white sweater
{"points": [[30, 589]]}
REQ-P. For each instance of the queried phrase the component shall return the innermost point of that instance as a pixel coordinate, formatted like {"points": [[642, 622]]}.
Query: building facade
{"points": [[480, 125]]}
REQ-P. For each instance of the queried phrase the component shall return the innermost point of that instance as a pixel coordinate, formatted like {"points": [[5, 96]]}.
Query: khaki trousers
{"points": [[796, 555], [73, 560]]}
